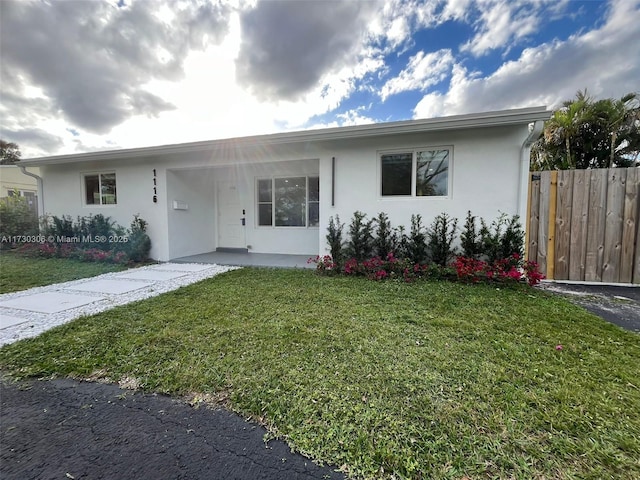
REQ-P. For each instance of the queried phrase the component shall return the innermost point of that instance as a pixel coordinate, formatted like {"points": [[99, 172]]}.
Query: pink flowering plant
{"points": [[324, 264], [474, 266]]}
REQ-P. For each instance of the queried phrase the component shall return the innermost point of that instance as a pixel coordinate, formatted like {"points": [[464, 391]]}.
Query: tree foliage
{"points": [[9, 153], [588, 133]]}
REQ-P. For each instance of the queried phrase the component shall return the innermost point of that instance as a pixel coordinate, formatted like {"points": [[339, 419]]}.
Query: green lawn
{"points": [[20, 273], [389, 380]]}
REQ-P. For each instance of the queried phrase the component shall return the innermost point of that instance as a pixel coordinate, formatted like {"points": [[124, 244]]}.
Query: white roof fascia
{"points": [[475, 120]]}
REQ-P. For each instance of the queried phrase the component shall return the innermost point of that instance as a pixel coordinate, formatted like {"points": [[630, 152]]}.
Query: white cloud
{"points": [[180, 80], [423, 70], [456, 9], [604, 60], [500, 23]]}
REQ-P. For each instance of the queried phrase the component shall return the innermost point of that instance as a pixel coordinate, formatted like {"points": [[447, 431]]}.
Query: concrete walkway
{"points": [[30, 312]]}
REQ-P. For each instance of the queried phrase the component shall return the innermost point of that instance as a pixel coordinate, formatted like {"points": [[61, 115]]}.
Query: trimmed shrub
{"points": [[416, 242], [360, 243], [336, 244], [441, 236], [502, 239], [139, 244], [470, 240], [385, 239]]}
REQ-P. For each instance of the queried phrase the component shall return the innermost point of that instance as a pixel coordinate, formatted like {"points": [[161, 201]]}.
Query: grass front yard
{"points": [[386, 379], [20, 273]]}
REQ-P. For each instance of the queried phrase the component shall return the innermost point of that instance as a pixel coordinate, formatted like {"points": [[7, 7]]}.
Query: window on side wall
{"points": [[416, 173], [288, 201], [100, 188]]}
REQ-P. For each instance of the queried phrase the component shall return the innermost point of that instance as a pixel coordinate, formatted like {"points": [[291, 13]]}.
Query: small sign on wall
{"points": [[178, 205]]}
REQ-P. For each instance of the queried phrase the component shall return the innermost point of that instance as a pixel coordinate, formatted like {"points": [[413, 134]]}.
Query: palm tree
{"points": [[564, 125], [584, 133], [623, 119]]}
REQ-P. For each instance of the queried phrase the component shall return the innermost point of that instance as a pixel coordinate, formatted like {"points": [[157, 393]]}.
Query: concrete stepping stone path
{"points": [[28, 313]]}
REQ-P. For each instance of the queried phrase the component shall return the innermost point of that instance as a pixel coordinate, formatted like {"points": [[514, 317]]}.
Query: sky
{"points": [[86, 75]]}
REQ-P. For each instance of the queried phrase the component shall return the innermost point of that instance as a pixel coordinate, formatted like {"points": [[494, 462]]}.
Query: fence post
{"points": [[551, 240], [629, 226]]}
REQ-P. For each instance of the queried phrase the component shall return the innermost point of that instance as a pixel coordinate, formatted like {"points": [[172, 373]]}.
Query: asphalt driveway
{"points": [[64, 429], [619, 305]]}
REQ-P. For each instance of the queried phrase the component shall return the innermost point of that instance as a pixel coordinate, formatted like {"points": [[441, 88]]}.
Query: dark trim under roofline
{"points": [[476, 120]]}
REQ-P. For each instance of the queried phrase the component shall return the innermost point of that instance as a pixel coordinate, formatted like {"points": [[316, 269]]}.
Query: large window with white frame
{"points": [[423, 172], [100, 188], [288, 201]]}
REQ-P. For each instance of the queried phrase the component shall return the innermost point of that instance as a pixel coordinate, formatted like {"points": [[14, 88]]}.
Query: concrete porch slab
{"points": [[114, 287], [7, 321], [275, 260], [49, 302], [151, 274], [182, 267]]}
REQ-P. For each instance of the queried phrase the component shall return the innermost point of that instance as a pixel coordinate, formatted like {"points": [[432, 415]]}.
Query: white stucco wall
{"points": [[485, 172], [192, 224], [485, 169], [63, 195]]}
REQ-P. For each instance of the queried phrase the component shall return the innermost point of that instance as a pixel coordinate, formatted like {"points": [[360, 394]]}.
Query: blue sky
{"points": [[86, 75]]}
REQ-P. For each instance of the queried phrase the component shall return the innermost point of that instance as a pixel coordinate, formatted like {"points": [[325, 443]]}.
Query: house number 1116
{"points": [[155, 191]]}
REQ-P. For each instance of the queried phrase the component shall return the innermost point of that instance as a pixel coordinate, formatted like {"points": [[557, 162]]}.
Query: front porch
{"points": [[249, 259]]}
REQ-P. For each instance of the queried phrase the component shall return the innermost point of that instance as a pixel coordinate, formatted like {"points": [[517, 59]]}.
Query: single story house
{"points": [[14, 182], [276, 193]]}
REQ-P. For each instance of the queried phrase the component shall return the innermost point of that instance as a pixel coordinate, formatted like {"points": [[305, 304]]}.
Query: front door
{"points": [[230, 216]]}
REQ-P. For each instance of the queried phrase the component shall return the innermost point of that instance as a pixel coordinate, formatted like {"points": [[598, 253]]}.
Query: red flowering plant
{"points": [[324, 264], [532, 272], [506, 270], [374, 268]]}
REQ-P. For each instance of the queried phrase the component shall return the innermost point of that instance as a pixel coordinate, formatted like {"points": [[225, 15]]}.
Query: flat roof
{"points": [[475, 120]]}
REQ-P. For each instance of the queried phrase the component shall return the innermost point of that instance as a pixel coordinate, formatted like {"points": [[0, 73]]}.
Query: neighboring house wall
{"points": [[12, 178]]}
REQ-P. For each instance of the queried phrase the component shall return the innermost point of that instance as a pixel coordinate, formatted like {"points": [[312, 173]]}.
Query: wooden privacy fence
{"points": [[583, 224]]}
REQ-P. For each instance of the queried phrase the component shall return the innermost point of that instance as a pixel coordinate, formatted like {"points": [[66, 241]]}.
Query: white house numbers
{"points": [[155, 186]]}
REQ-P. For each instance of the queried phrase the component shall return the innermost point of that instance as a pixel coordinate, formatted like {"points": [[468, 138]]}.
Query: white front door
{"points": [[230, 217]]}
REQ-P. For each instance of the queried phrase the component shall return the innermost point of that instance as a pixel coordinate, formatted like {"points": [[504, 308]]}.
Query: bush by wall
{"points": [[491, 254], [93, 238]]}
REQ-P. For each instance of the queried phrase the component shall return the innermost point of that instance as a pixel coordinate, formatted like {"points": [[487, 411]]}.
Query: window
{"points": [[100, 189], [289, 202], [265, 202], [420, 173]]}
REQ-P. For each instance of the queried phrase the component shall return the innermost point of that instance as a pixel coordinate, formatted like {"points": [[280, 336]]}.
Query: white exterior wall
{"points": [[191, 230], [485, 174], [63, 195], [485, 170]]}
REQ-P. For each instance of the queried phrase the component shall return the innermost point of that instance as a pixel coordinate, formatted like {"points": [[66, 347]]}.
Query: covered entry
{"points": [[267, 208]]}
